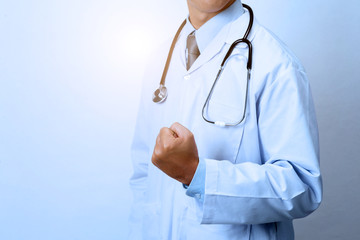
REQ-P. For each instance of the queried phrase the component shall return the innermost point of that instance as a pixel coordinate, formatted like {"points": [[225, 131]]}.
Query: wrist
{"points": [[190, 172]]}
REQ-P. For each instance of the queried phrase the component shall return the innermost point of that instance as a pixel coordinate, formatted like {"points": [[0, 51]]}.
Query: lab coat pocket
{"points": [[227, 104], [215, 142], [150, 221], [193, 230], [224, 112]]}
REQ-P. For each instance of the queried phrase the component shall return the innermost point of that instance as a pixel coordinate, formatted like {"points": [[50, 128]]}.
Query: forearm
{"points": [[258, 194]]}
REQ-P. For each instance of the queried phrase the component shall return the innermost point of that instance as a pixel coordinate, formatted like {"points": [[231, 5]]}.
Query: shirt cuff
{"points": [[196, 188]]}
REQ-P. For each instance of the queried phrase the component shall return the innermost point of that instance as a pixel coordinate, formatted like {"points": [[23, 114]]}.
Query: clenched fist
{"points": [[175, 153]]}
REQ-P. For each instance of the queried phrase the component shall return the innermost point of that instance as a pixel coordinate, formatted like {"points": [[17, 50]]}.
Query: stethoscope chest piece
{"points": [[160, 94]]}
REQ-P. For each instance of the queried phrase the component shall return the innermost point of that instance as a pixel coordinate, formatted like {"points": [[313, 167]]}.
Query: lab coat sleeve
{"points": [[287, 184]]}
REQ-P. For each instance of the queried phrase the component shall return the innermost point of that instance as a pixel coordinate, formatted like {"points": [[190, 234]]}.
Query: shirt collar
{"points": [[207, 32]]}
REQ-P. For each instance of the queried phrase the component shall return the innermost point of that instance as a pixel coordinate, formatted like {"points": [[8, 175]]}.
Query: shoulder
{"points": [[270, 48], [272, 59], [275, 66]]}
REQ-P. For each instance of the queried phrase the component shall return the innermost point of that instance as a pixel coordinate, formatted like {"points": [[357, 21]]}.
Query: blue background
{"points": [[70, 74]]}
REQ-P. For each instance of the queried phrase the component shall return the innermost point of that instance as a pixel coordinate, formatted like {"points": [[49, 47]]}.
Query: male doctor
{"points": [[197, 180]]}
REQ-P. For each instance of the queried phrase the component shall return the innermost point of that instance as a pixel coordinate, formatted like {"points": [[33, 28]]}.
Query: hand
{"points": [[175, 153]]}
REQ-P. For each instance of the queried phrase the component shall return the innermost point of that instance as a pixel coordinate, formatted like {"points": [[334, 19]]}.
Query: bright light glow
{"points": [[137, 42]]}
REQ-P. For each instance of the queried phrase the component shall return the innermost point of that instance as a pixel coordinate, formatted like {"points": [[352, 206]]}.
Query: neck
{"points": [[199, 17]]}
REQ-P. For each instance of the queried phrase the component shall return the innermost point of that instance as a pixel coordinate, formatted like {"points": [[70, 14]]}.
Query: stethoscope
{"points": [[160, 94]]}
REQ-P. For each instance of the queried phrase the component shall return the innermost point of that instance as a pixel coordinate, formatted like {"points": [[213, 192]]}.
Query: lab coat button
{"points": [[198, 195], [187, 77]]}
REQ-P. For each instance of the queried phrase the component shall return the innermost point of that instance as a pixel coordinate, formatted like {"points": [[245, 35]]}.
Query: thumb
{"points": [[180, 130]]}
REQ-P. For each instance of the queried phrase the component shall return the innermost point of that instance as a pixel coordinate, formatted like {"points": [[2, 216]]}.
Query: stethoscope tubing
{"points": [[167, 64], [161, 93]]}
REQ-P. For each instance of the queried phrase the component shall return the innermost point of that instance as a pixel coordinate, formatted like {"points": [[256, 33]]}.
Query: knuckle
{"points": [[157, 152], [190, 135], [167, 147], [163, 130], [175, 124]]}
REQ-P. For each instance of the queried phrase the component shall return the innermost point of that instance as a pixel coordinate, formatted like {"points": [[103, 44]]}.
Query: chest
{"points": [[187, 94]]}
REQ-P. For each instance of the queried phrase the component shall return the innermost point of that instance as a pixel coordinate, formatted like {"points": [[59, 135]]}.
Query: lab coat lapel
{"points": [[229, 33], [212, 49]]}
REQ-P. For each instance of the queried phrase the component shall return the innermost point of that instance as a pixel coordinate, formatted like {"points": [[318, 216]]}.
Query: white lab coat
{"points": [[260, 174]]}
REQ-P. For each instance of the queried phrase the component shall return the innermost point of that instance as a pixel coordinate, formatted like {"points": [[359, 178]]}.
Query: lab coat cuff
{"points": [[211, 187], [196, 188]]}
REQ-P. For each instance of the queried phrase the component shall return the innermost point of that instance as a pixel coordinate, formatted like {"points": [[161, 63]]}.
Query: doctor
{"points": [[197, 180]]}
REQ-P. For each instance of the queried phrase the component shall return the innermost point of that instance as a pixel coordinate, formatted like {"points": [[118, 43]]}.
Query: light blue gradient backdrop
{"points": [[70, 74]]}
